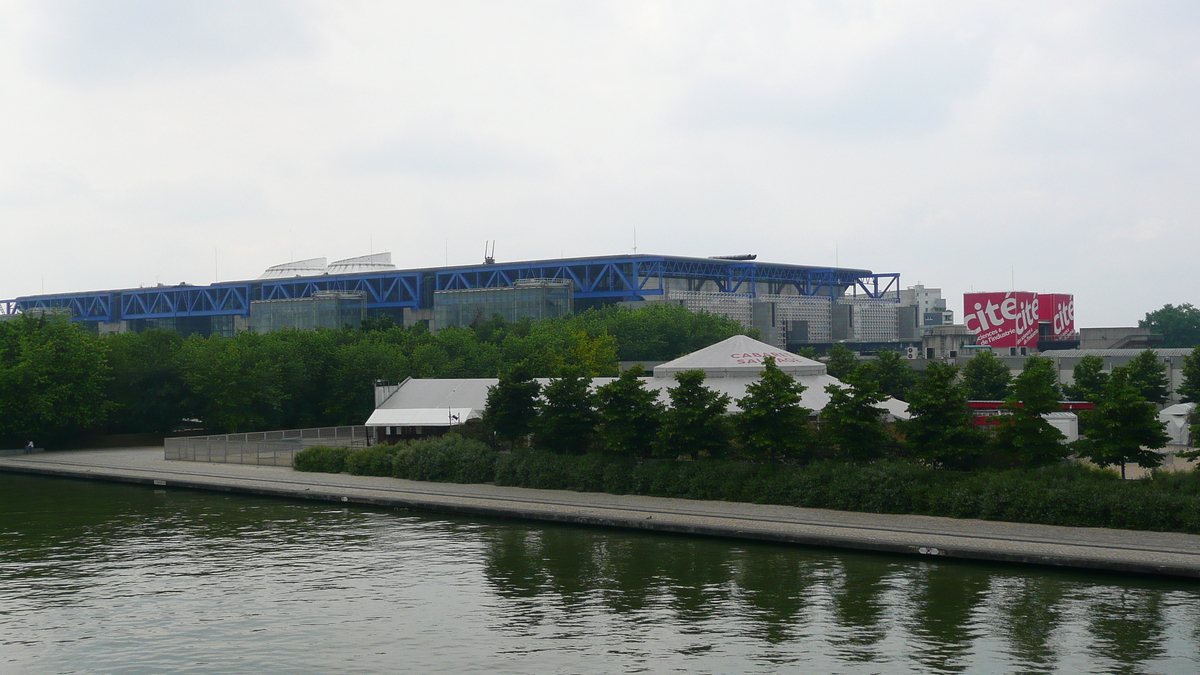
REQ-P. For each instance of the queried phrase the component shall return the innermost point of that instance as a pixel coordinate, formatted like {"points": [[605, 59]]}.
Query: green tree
{"points": [[1146, 373], [986, 378], [657, 331], [512, 404], [629, 415], [231, 386], [354, 369], [1179, 326], [566, 419], [1123, 428], [890, 373], [52, 379], [1089, 379], [301, 361], [1023, 434], [382, 323], [841, 362], [146, 391], [851, 425], [772, 425], [1189, 389], [941, 430], [695, 423]]}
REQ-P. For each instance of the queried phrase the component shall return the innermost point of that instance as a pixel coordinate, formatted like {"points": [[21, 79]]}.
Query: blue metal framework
{"points": [[389, 289], [891, 286], [83, 306], [173, 301], [610, 277], [626, 278]]}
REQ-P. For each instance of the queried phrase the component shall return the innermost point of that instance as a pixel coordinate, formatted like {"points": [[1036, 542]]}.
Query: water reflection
{"points": [[1029, 611], [1128, 626], [462, 591], [944, 599], [859, 606]]}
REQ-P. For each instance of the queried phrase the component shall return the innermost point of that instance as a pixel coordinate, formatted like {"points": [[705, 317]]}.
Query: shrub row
{"points": [[449, 459], [322, 459], [1067, 494]]}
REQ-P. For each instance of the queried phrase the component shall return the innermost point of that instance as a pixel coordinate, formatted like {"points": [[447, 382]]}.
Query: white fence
{"points": [[269, 448]]}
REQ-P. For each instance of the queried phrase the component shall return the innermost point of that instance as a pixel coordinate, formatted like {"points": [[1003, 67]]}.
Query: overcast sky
{"points": [[963, 145]]}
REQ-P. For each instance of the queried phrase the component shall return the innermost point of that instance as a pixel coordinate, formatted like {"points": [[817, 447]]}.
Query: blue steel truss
{"points": [[173, 301], [8, 307], [610, 277], [82, 306], [395, 289], [870, 286], [627, 278]]}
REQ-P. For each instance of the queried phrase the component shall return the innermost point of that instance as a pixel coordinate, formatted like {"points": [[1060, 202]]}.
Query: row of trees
{"points": [[986, 378], [57, 381], [626, 418]]}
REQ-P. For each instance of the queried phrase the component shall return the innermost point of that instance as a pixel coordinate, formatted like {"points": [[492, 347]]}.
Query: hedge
{"points": [[321, 459], [1067, 494]]}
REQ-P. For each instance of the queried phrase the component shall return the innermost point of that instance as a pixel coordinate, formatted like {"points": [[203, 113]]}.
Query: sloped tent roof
{"points": [[739, 356], [433, 403]]}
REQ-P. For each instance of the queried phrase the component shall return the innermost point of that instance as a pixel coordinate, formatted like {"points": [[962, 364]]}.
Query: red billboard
{"points": [[1058, 310], [1002, 319]]}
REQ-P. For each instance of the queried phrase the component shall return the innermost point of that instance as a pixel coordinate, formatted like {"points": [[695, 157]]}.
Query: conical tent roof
{"points": [[739, 356]]}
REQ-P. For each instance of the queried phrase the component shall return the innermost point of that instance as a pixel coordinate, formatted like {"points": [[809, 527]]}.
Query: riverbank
{"points": [[1157, 553]]}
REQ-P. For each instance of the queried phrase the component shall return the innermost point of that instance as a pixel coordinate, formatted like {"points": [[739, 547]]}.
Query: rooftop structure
{"points": [[297, 268], [703, 282]]}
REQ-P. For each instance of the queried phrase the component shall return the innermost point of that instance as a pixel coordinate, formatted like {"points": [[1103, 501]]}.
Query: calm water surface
{"points": [[98, 578]]}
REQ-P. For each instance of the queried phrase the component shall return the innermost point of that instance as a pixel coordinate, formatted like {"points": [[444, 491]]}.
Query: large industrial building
{"points": [[789, 304]]}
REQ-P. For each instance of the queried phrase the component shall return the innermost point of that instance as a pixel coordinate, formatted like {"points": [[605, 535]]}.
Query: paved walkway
{"points": [[1089, 548]]}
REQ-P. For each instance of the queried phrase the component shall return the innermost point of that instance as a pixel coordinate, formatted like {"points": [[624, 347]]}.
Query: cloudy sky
{"points": [[963, 145]]}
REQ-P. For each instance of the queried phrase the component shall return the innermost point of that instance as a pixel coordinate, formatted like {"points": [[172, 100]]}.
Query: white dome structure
{"points": [[376, 262], [298, 268]]}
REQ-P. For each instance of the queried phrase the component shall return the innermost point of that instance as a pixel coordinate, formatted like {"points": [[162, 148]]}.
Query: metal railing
{"points": [[267, 448]]}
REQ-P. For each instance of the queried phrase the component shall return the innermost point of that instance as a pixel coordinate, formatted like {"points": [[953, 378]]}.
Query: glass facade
{"points": [[532, 298], [323, 310]]}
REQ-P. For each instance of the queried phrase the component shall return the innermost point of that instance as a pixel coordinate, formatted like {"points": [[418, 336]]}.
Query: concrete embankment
{"points": [[1159, 553]]}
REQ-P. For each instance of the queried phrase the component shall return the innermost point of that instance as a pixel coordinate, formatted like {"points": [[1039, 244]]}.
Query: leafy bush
{"points": [[322, 459], [449, 459], [373, 461], [1064, 494]]}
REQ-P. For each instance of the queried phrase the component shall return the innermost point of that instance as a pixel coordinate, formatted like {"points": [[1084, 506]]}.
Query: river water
{"points": [[102, 578]]}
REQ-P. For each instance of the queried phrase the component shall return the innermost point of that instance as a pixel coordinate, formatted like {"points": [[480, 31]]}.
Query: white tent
{"points": [[730, 366], [740, 356], [1175, 419]]}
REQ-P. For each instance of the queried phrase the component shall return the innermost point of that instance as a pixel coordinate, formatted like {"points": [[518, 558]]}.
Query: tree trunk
{"points": [[1122, 469]]}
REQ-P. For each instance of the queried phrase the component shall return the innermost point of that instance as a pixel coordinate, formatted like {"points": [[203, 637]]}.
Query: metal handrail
{"points": [[265, 448]]}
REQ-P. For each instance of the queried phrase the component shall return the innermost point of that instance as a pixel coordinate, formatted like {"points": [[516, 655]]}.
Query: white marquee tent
{"points": [[730, 365]]}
